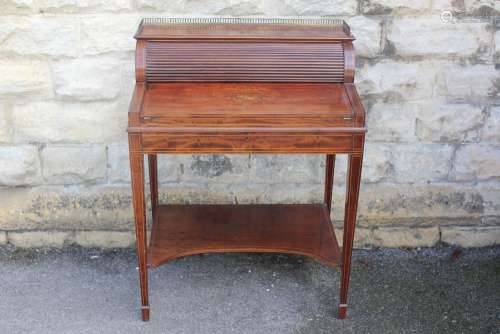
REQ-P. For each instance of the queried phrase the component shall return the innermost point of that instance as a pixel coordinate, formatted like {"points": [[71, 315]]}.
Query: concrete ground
{"points": [[77, 290]]}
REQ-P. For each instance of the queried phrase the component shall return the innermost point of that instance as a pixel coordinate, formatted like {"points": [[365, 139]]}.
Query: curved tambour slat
{"points": [[172, 61]]}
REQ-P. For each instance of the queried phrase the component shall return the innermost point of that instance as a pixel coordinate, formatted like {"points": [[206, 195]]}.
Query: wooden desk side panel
{"points": [[134, 110], [140, 60], [359, 113], [349, 61]]}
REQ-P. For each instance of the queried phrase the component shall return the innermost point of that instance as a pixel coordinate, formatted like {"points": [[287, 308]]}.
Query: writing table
{"points": [[222, 86]]}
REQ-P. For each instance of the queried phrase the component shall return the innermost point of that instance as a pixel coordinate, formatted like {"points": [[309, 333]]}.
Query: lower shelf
{"points": [[181, 230]]}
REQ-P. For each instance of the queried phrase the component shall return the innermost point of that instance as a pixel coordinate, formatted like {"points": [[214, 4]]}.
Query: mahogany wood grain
{"points": [[247, 142], [356, 105], [349, 61], [137, 173], [249, 117], [187, 100], [244, 62], [134, 110], [140, 61], [355, 163], [181, 230]]}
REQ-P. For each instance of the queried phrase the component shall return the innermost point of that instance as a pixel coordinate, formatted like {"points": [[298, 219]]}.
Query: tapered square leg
{"points": [[137, 174], [351, 205]]}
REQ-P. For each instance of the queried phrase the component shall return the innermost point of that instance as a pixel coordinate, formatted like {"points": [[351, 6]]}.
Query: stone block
{"points": [[171, 168], [19, 165], [118, 163], [383, 7], [17, 6], [43, 36], [490, 194], [363, 237], [426, 36], [410, 237], [4, 123], [3, 238], [476, 162], [421, 163], [367, 32], [491, 129], [298, 168], [451, 5], [100, 207], [466, 83], [105, 33], [7, 26], [376, 162], [471, 236], [477, 8], [340, 174], [75, 6], [127, 84], [497, 44], [66, 208], [383, 203], [24, 78], [244, 193], [251, 8], [87, 79], [282, 193], [398, 81], [449, 123], [216, 168], [33, 239], [392, 122], [104, 239], [232, 8], [206, 193], [69, 122], [184, 7], [322, 7], [483, 8], [74, 164]]}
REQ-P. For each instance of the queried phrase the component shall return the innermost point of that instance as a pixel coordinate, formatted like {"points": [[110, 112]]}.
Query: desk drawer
{"points": [[252, 142]]}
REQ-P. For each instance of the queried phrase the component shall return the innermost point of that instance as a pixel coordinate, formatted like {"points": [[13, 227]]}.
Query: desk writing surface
{"points": [[256, 104]]}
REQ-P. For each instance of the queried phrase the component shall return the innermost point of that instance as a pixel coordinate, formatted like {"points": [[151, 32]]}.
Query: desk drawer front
{"points": [[240, 143], [168, 61]]}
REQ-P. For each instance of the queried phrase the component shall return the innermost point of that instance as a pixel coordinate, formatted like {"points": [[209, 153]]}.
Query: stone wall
{"points": [[431, 89]]}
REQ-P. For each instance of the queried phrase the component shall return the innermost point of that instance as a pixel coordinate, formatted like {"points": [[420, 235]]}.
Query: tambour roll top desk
{"points": [[244, 86]]}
